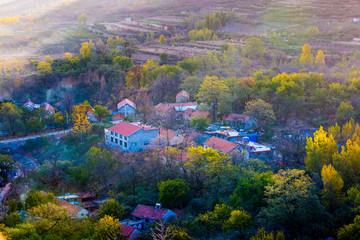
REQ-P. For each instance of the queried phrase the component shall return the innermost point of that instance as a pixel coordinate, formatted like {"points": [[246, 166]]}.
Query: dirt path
{"points": [[35, 136]]}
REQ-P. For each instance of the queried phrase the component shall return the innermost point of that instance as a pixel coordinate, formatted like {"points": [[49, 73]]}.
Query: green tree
{"points": [[125, 63], [250, 189], [36, 198], [23, 231], [173, 192], [189, 65], [192, 85], [292, 203], [112, 208], [6, 165], [351, 231], [260, 110], [212, 92], [101, 112], [254, 48], [306, 56], [261, 234], [10, 116], [319, 150], [239, 219], [200, 123], [12, 219], [344, 112]]}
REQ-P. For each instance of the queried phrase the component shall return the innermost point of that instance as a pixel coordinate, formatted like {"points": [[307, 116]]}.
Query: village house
{"points": [[148, 214], [252, 150], [190, 113], [73, 210], [130, 233], [126, 107], [182, 97], [226, 133], [241, 121], [130, 137], [46, 106], [169, 137], [176, 109], [221, 145]]}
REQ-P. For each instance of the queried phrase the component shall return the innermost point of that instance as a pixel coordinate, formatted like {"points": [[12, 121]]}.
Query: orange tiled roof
{"points": [[220, 144]]}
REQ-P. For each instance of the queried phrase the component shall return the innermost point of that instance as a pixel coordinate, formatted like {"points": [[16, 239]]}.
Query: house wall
{"points": [[127, 110], [135, 142], [83, 213]]}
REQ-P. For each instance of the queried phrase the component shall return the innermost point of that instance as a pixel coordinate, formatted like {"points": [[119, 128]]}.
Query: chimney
{"points": [[158, 205]]}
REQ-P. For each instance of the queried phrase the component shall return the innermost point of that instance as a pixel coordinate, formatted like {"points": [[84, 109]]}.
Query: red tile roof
{"points": [[148, 212], [196, 113], [127, 230], [126, 101], [220, 144], [237, 118], [47, 107], [165, 133], [183, 93], [125, 128]]}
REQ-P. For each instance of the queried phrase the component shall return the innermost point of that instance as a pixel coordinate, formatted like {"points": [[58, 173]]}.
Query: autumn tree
{"points": [[319, 150], [44, 68], [112, 208], [173, 192], [320, 59], [260, 110], [332, 185], [125, 63], [135, 77], [108, 228], [212, 92], [10, 116], [350, 231], [162, 39], [261, 234], [306, 57], [200, 123], [254, 48], [80, 120], [344, 112], [291, 203], [82, 19], [85, 50]]}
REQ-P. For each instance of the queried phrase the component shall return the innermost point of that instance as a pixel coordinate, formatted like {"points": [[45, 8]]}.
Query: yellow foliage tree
{"points": [[320, 59], [68, 56], [85, 50], [319, 150], [80, 119], [306, 57], [44, 68], [333, 184], [162, 39], [82, 19]]}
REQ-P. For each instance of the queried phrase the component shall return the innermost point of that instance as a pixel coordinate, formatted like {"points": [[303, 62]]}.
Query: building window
{"points": [[112, 139], [125, 144], [125, 138], [146, 143], [121, 136], [133, 144], [120, 142], [116, 134], [116, 141], [112, 133]]}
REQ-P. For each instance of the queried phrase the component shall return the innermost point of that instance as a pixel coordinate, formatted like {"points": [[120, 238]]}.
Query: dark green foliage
{"points": [[173, 192]]}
